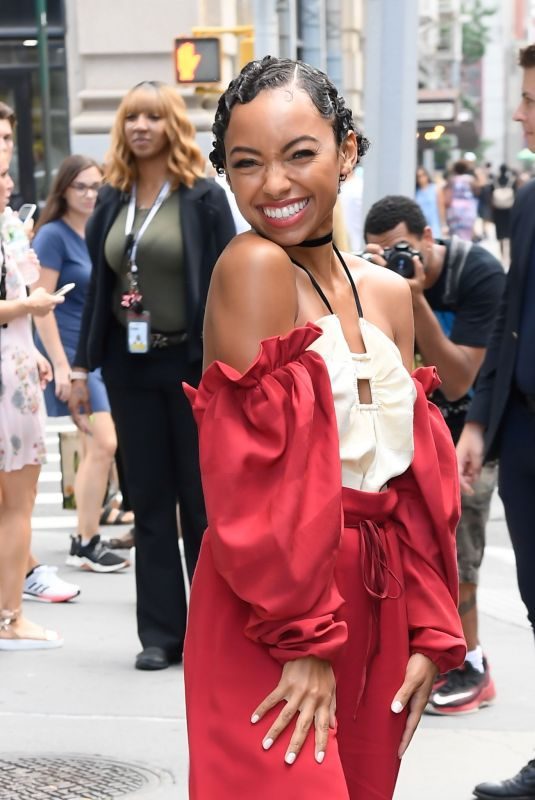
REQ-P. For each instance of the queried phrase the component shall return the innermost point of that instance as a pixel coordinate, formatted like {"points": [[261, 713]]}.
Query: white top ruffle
{"points": [[376, 439]]}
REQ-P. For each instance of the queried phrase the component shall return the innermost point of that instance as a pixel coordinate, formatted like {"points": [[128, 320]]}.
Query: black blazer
{"points": [[207, 227], [496, 377]]}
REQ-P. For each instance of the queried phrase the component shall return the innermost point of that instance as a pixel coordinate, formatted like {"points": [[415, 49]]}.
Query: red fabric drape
{"points": [[272, 481]]}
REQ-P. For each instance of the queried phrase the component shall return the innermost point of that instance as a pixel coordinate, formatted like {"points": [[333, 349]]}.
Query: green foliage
{"points": [[482, 148], [443, 148], [476, 33]]}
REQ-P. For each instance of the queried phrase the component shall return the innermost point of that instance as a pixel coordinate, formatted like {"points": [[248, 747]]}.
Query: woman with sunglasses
{"points": [[60, 244], [22, 435], [155, 235]]}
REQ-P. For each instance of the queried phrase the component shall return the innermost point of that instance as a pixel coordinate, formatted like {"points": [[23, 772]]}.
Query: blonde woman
{"points": [[156, 233]]}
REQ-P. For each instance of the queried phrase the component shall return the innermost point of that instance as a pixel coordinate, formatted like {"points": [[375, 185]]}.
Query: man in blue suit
{"points": [[501, 418]]}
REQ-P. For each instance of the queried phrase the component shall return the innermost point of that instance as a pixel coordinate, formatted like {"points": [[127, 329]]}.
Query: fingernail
{"points": [[320, 756], [290, 758], [397, 706], [266, 744], [255, 718]]}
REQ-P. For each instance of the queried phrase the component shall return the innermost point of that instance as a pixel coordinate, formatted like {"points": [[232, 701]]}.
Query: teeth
{"points": [[285, 211]]}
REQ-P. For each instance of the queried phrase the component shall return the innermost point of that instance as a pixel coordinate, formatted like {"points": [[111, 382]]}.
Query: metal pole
{"points": [[390, 98], [266, 42], [44, 84]]}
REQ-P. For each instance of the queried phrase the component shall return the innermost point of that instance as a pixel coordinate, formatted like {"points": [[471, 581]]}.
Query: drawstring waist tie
{"points": [[367, 512]]}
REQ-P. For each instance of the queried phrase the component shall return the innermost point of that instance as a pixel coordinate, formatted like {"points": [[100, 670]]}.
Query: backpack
{"points": [[503, 197]]}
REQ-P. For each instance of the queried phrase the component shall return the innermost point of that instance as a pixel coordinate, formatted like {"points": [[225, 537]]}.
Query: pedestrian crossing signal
{"points": [[198, 60]]}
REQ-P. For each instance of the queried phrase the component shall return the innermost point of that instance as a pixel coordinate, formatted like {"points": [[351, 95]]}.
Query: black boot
{"points": [[521, 787]]}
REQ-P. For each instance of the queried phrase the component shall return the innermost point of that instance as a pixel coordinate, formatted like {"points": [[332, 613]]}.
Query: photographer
{"points": [[456, 289]]}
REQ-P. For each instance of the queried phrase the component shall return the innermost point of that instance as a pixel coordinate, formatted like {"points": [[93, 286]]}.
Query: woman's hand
{"points": [[414, 693], [309, 688], [44, 369], [40, 302], [62, 380], [79, 405]]}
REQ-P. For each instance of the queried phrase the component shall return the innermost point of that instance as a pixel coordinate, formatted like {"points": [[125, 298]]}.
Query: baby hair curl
{"points": [[275, 73]]}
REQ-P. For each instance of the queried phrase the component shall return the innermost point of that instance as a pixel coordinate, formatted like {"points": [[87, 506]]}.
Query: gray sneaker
{"points": [[94, 556]]}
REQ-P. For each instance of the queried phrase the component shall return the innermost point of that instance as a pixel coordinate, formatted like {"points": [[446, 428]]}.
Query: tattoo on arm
{"points": [[467, 605]]}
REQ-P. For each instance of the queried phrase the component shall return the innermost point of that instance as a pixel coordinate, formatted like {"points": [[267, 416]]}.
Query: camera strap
{"points": [[457, 254]]}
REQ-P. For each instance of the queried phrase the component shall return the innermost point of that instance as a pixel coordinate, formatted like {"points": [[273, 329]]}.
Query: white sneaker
{"points": [[44, 585]]}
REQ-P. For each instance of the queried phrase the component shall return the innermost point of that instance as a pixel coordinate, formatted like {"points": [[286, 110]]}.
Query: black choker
{"points": [[317, 242]]}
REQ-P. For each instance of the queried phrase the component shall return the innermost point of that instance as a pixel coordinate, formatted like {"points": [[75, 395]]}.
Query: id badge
{"points": [[138, 332]]}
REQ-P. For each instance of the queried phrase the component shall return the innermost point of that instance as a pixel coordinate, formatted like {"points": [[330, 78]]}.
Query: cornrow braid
{"points": [[274, 73]]}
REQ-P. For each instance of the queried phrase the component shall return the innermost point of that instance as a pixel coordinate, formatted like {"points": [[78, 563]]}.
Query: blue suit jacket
{"points": [[496, 377]]}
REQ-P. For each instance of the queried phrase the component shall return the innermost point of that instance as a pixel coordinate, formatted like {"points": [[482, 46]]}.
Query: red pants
{"points": [[227, 676]]}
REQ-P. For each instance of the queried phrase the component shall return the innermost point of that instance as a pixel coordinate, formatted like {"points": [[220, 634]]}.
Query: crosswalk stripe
{"points": [[49, 499], [45, 523], [50, 476]]}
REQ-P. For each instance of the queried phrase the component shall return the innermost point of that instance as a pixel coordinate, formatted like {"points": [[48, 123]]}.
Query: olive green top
{"points": [[160, 263]]}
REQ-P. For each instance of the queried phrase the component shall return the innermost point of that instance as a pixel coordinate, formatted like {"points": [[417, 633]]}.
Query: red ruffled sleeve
{"points": [[428, 511], [271, 475]]}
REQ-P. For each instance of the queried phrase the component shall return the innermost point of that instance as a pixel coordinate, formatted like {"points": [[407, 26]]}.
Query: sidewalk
{"points": [[87, 698]]}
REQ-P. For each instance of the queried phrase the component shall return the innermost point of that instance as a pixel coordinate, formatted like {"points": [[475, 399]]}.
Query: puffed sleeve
{"points": [[428, 511], [271, 476]]}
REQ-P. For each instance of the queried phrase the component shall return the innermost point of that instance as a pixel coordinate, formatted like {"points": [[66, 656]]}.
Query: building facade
{"points": [[97, 50]]}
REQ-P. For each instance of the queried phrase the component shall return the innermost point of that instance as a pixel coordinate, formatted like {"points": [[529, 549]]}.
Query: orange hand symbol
{"points": [[187, 61]]}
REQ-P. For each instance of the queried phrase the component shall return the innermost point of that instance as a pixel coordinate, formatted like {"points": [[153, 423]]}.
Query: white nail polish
{"points": [[397, 706], [290, 758], [320, 756], [255, 718], [266, 744]]}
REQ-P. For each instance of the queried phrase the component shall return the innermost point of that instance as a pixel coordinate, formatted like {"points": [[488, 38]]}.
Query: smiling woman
{"points": [[310, 652]]}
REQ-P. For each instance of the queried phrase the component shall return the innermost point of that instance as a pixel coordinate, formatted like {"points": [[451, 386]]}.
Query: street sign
{"points": [[198, 60]]}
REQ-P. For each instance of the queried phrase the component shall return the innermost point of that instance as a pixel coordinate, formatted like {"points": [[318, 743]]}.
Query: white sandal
{"points": [[13, 642]]}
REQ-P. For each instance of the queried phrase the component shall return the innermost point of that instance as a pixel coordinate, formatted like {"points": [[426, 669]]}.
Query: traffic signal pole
{"points": [[44, 84]]}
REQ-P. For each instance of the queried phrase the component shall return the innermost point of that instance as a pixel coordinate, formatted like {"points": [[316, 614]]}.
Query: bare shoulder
{"points": [[251, 266], [384, 284], [252, 297], [387, 300]]}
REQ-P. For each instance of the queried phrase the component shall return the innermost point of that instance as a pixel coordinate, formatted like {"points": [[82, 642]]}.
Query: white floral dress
{"points": [[22, 410]]}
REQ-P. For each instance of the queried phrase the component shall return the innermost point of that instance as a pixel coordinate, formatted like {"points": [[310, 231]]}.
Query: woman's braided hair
{"points": [[274, 73]]}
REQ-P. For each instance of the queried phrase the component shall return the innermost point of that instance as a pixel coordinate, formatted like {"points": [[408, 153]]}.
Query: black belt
{"points": [[160, 340], [527, 400]]}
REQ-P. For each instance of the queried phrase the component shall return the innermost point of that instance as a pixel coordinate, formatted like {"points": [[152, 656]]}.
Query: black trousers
{"points": [[158, 441], [517, 491]]}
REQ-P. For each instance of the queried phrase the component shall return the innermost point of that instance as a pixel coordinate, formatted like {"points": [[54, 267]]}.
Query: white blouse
{"points": [[376, 439]]}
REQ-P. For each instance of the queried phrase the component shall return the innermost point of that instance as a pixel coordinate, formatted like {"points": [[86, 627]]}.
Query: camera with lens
{"points": [[399, 258]]}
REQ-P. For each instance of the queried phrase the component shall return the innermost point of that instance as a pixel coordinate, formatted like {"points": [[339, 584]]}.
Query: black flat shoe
{"points": [[521, 787], [152, 658]]}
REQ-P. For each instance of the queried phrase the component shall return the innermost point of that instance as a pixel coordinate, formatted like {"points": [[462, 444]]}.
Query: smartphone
{"points": [[27, 211], [64, 289]]}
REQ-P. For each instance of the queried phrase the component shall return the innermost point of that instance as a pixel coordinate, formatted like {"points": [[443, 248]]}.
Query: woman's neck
{"points": [[151, 175], [76, 221], [321, 261]]}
